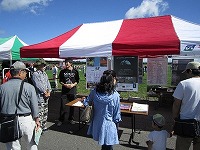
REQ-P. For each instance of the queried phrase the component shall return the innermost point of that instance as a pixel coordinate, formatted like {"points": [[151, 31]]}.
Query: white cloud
{"points": [[31, 5], [148, 8]]}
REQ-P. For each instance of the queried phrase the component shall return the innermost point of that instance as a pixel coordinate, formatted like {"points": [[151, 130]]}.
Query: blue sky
{"points": [[35, 21]]}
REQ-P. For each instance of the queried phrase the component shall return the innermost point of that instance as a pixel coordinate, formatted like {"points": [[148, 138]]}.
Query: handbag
{"points": [[86, 115], [187, 127], [9, 125]]}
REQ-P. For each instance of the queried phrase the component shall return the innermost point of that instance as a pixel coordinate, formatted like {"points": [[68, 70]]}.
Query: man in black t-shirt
{"points": [[68, 78]]}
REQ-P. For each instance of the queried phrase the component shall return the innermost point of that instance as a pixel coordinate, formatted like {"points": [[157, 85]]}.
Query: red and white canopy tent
{"points": [[144, 37]]}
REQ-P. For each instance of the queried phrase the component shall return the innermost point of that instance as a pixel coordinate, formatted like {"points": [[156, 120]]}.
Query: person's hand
{"points": [[69, 86], [172, 133], [46, 94], [37, 123], [82, 98]]}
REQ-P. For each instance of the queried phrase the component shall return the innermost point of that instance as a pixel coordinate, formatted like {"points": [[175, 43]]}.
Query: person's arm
{"points": [[48, 84], [117, 111], [34, 106], [61, 78], [37, 83], [77, 78], [88, 100], [176, 108]]}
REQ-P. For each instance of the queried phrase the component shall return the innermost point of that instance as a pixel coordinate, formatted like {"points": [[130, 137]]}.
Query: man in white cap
{"points": [[27, 109], [187, 103]]}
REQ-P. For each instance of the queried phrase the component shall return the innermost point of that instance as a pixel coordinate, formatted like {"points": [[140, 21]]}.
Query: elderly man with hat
{"points": [[43, 89], [27, 109], [187, 103]]}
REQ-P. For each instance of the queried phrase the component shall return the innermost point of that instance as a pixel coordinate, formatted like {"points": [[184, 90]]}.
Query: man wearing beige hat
{"points": [[187, 103]]}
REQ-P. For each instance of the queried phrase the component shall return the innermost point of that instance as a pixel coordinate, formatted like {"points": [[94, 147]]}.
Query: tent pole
{"points": [[10, 58], [10, 62]]}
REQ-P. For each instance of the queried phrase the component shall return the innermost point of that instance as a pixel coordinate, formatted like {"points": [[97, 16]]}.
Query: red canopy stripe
{"points": [[47, 49], [143, 36]]}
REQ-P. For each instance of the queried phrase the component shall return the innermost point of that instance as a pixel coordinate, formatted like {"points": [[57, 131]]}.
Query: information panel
{"points": [[94, 70], [127, 73], [178, 66], [157, 71]]}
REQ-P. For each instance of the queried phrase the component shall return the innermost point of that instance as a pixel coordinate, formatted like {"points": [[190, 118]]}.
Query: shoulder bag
{"points": [[9, 125], [187, 127], [87, 114]]}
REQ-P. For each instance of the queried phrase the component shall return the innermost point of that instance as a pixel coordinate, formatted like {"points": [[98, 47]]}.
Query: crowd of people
{"points": [[33, 105]]}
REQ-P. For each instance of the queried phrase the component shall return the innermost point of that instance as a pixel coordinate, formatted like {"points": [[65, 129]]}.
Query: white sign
{"points": [[157, 71]]}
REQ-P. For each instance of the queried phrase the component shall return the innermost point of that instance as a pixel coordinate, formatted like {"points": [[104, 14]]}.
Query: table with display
{"points": [[71, 104], [123, 111], [165, 97], [133, 120], [162, 94]]}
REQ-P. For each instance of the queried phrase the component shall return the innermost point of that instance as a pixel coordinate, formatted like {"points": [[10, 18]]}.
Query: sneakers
{"points": [[59, 123], [71, 121]]}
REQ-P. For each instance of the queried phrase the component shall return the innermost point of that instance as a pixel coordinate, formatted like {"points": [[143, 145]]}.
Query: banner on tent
{"points": [[190, 49]]}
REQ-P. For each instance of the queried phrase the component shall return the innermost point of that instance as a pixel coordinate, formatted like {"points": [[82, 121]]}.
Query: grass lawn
{"points": [[142, 91]]}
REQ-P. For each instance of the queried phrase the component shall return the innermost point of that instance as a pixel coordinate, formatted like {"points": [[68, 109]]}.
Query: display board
{"points": [[127, 72], [157, 71], [178, 66], [94, 70]]}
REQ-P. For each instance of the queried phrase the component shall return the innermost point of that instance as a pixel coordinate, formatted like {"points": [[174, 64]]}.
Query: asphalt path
{"points": [[69, 137]]}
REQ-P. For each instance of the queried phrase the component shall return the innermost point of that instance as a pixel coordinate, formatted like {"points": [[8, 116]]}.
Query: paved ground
{"points": [[67, 137]]}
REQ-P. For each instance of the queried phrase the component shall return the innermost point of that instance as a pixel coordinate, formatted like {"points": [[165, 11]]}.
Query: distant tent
{"points": [[10, 48]]}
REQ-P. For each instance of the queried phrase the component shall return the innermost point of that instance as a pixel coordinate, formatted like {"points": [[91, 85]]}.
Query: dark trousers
{"points": [[106, 147], [64, 100]]}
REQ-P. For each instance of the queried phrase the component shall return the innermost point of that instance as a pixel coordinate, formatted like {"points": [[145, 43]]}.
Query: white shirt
{"points": [[159, 139], [188, 91]]}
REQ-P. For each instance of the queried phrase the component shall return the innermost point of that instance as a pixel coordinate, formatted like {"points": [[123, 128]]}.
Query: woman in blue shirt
{"points": [[106, 115]]}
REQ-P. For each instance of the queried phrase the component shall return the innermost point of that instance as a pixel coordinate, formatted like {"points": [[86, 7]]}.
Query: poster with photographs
{"points": [[178, 66], [127, 73], [157, 71], [95, 66]]}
